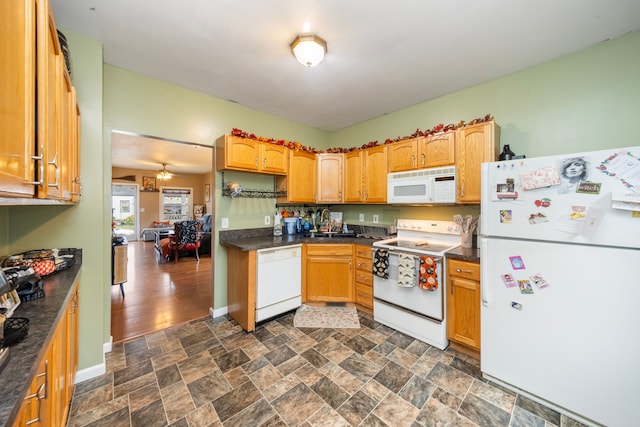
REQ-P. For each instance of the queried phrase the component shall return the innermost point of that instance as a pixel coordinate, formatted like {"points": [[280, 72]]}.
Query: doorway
{"points": [[159, 294], [124, 210]]}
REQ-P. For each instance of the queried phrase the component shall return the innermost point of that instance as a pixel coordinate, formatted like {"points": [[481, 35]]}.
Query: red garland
{"points": [[418, 133]]}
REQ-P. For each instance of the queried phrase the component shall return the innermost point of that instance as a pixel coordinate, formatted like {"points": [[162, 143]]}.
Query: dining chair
{"points": [[185, 238]]}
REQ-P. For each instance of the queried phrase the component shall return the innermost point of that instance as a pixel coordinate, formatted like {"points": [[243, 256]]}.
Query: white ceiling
{"points": [[382, 55], [134, 151]]}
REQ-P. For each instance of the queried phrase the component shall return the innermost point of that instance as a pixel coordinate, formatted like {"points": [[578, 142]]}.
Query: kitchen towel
{"points": [[428, 278], [381, 263], [406, 270]]}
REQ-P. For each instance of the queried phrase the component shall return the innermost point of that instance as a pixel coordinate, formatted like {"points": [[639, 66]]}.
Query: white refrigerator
{"points": [[560, 281]]}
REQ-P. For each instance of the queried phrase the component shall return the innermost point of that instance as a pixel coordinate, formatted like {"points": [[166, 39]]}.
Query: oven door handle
{"points": [[436, 258]]}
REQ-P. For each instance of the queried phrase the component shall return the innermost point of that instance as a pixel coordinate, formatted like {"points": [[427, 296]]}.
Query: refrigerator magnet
{"points": [[505, 215], [516, 262], [539, 281], [538, 218], [525, 286], [508, 280], [543, 203]]}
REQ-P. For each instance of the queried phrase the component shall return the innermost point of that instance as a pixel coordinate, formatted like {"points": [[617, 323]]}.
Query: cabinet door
{"points": [[37, 407], [375, 174], [64, 129], [300, 181], [403, 155], [353, 177], [437, 150], [237, 153], [74, 165], [475, 144], [17, 98], [329, 278], [464, 312], [48, 76], [275, 158], [329, 178], [73, 317], [302, 173]]}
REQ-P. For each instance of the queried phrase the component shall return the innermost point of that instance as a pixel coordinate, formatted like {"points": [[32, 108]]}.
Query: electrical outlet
{"points": [[361, 217], [375, 219], [267, 220], [225, 223]]}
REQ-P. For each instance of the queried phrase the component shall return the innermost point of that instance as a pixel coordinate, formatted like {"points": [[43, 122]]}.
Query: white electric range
{"points": [[413, 310]]}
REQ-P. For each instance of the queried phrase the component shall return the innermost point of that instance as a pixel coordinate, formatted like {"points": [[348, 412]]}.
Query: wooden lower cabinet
{"points": [[327, 273], [463, 303], [363, 276], [49, 396], [241, 287]]}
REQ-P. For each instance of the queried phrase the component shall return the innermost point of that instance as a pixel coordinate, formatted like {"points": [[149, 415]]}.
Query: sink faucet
{"points": [[328, 218]]}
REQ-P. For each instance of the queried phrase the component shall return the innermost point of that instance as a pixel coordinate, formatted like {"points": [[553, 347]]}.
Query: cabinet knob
{"points": [[459, 270]]}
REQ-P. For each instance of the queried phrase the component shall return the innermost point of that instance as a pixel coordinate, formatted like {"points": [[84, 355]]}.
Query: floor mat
{"points": [[326, 317]]}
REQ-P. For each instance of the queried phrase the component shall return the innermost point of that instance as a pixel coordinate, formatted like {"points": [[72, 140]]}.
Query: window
{"points": [[176, 203]]}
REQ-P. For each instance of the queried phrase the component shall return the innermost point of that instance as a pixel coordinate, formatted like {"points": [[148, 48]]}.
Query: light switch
{"points": [[225, 223]]}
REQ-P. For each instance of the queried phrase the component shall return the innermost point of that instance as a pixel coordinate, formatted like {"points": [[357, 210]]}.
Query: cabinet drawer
{"points": [[364, 295], [466, 269], [364, 251], [364, 264], [364, 278], [329, 249]]}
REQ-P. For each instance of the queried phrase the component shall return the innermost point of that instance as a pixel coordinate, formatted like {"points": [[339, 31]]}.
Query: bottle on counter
{"points": [[277, 225]]}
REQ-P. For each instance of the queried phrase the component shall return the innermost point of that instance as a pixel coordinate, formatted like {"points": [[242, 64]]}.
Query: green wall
{"points": [[585, 101], [84, 224]]}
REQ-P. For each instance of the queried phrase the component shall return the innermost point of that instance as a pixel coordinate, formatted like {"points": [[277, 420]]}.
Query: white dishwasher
{"points": [[279, 281]]}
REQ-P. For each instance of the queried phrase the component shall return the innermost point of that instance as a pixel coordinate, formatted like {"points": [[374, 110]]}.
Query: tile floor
{"points": [[211, 373]]}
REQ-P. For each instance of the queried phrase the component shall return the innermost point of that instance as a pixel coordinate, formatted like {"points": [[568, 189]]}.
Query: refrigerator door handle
{"points": [[483, 280]]}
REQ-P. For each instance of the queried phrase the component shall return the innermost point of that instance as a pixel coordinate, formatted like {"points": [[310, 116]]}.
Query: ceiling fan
{"points": [[164, 174]]}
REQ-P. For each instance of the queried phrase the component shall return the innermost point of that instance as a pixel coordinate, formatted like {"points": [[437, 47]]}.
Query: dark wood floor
{"points": [[158, 295]]}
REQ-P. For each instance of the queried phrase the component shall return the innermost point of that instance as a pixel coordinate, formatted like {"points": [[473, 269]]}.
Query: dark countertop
{"points": [[24, 357], [464, 254], [263, 238], [254, 239], [255, 243]]}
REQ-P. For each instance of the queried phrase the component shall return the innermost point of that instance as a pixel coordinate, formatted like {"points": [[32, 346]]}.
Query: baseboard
{"points": [[96, 370], [219, 312]]}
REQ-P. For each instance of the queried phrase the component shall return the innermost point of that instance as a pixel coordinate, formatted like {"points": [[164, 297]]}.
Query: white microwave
{"points": [[423, 186]]}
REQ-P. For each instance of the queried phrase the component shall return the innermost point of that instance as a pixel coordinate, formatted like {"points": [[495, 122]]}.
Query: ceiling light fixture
{"points": [[164, 174], [309, 49]]}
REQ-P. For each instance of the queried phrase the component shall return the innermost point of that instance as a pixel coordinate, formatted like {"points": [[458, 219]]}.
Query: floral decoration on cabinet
{"points": [[294, 145]]}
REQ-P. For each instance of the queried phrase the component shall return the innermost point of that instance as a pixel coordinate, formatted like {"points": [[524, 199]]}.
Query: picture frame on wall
{"points": [[207, 193], [149, 183]]}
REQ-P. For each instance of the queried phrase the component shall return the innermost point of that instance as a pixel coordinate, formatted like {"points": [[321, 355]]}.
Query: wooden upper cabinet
{"points": [[17, 98], [366, 175], [437, 150], [475, 144], [274, 158], [74, 166], [236, 153], [375, 174], [353, 177], [329, 178], [402, 155], [423, 152], [300, 182], [49, 74]]}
